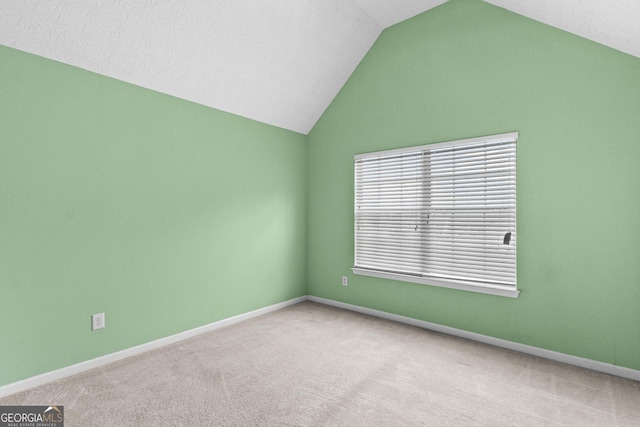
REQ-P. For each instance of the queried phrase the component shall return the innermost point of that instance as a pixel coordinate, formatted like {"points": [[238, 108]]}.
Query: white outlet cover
{"points": [[97, 321]]}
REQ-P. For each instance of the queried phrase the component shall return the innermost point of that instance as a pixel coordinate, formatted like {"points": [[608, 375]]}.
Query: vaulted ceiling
{"points": [[280, 62]]}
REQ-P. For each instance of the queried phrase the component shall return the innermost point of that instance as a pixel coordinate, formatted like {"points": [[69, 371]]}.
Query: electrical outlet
{"points": [[345, 281], [97, 321]]}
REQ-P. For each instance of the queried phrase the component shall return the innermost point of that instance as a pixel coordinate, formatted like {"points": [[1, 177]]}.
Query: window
{"points": [[440, 214]]}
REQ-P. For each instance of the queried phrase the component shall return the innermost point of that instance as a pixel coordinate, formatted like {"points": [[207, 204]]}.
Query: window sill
{"points": [[503, 291]]}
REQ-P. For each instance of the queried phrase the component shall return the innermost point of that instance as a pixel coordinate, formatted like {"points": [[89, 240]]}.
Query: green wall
{"points": [[467, 69], [164, 214]]}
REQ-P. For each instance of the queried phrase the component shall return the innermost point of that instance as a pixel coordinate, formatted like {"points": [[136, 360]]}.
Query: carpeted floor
{"points": [[311, 364]]}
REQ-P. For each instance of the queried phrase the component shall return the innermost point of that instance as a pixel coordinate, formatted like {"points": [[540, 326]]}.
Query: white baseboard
{"points": [[109, 358], [606, 368], [581, 362]]}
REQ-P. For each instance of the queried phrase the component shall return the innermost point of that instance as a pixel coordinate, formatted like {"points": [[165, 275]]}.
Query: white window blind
{"points": [[442, 214]]}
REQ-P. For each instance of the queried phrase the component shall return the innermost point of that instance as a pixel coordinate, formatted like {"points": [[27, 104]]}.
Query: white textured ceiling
{"points": [[276, 61], [614, 23]]}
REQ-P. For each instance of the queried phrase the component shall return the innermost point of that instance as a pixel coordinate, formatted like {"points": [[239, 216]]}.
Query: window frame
{"points": [[486, 287]]}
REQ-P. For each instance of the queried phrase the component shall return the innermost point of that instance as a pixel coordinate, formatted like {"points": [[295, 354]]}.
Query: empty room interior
{"points": [[202, 175]]}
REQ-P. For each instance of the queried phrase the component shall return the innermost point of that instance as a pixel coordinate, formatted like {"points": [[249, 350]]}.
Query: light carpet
{"points": [[311, 364]]}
